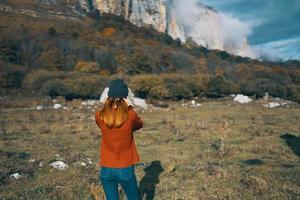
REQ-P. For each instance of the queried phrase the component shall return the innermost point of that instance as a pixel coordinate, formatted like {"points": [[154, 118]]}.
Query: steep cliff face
{"points": [[180, 19], [161, 14]]}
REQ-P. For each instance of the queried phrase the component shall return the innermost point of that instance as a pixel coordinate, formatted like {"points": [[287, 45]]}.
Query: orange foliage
{"points": [[108, 32], [279, 70], [87, 66], [151, 42], [219, 71], [261, 69]]}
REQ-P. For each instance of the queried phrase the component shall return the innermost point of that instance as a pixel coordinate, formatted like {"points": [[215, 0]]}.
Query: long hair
{"points": [[114, 112]]}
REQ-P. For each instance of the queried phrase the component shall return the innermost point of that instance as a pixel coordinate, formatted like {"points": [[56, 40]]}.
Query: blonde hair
{"points": [[114, 112]]}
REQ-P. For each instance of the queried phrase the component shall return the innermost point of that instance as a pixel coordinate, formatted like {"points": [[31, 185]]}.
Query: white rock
{"points": [[140, 103], [83, 164], [16, 175], [88, 102], [57, 106], [40, 107], [41, 164], [193, 102], [272, 105], [59, 165], [89, 160], [242, 98]]}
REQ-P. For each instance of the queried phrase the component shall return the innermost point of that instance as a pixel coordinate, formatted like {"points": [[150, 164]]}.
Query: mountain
{"points": [[69, 48], [180, 19]]}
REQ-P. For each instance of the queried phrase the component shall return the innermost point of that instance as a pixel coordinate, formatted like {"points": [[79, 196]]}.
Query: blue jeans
{"points": [[110, 177]]}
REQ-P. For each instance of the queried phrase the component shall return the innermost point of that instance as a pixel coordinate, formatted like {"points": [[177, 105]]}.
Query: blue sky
{"points": [[275, 24]]}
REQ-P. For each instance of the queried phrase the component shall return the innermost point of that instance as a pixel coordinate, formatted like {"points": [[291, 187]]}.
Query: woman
{"points": [[117, 122]]}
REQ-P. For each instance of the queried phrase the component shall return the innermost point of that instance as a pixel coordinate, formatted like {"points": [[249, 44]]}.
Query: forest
{"points": [[76, 59]]}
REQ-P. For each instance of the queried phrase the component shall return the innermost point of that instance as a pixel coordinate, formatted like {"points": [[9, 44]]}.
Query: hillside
{"points": [[60, 50]]}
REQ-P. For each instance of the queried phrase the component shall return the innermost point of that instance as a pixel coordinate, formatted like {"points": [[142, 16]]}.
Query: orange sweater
{"points": [[117, 144]]}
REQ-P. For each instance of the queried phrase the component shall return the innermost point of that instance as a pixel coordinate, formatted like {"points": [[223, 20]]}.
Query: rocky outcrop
{"points": [[161, 14], [180, 19], [39, 14]]}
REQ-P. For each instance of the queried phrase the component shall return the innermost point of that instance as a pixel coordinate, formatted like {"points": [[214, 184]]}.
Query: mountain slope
{"points": [[55, 55], [183, 20]]}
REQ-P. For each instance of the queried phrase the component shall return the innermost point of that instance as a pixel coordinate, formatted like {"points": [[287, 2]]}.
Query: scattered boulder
{"points": [[272, 105], [89, 160], [16, 175], [40, 107], [192, 104], [57, 106], [242, 98], [88, 103], [272, 102], [80, 163], [60, 165], [195, 104], [66, 108], [140, 103]]}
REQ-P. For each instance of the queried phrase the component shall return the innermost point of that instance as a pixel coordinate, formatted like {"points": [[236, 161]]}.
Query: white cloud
{"points": [[278, 21], [214, 29], [280, 49]]}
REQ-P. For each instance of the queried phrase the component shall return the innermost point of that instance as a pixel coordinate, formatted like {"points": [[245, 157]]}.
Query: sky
{"points": [[275, 24]]}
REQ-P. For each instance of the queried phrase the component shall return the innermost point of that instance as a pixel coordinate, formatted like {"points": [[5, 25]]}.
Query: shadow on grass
{"points": [[253, 162], [151, 178], [293, 142]]}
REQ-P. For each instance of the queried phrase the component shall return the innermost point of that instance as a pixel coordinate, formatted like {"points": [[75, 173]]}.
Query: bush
{"points": [[89, 67], [9, 51], [183, 86], [55, 88], [36, 79], [260, 86], [293, 92], [167, 39], [152, 86], [86, 87], [108, 32], [168, 86], [75, 85], [51, 32], [12, 76], [218, 87]]}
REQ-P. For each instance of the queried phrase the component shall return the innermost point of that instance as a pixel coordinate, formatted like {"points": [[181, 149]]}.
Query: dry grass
{"points": [[221, 150]]}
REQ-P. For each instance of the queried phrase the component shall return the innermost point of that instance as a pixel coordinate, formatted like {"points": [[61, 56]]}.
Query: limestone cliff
{"points": [[180, 19], [158, 13]]}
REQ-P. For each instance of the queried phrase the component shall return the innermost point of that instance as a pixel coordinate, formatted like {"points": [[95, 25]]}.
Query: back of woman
{"points": [[118, 152]]}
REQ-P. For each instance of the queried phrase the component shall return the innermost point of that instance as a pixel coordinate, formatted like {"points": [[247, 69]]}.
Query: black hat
{"points": [[117, 89]]}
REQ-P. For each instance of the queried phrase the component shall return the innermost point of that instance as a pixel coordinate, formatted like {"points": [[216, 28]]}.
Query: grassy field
{"points": [[221, 150]]}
